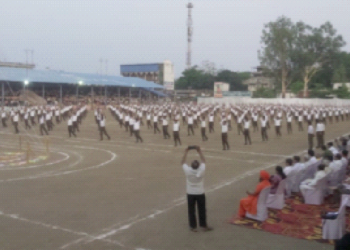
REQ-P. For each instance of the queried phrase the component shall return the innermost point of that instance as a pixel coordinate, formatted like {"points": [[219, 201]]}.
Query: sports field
{"points": [[118, 194]]}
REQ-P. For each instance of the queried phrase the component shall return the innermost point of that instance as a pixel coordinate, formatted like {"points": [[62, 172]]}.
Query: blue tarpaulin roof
{"points": [[53, 76]]}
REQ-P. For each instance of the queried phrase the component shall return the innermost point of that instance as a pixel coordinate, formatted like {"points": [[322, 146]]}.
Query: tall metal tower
{"points": [[189, 34]]}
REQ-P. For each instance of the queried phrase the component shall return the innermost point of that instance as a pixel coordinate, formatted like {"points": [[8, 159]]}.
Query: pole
{"points": [[77, 93], [105, 94], [140, 94], [92, 97], [119, 93], [129, 95], [43, 91], [3, 94], [61, 93]]}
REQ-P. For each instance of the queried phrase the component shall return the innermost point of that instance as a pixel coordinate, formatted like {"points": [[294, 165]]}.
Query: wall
{"points": [[290, 101]]}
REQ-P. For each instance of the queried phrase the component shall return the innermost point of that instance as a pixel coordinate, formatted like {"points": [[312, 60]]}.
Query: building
{"points": [[258, 80], [161, 73], [338, 85]]}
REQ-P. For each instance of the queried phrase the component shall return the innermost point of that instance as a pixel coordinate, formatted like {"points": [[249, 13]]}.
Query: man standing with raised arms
{"points": [[195, 190]]}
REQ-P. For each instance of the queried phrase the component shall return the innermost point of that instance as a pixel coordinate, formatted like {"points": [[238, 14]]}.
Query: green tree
{"points": [[278, 41], [264, 93], [313, 48], [339, 75], [233, 78], [296, 87], [342, 92], [194, 78]]}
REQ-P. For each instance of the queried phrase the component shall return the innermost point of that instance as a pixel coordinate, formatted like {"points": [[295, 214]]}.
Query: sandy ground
{"points": [[119, 194]]}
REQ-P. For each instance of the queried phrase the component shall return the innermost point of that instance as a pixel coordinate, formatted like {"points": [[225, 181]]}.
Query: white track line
{"points": [[54, 227], [163, 145]]}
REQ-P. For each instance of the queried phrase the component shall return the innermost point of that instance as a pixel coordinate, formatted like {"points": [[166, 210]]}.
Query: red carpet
{"points": [[295, 220]]}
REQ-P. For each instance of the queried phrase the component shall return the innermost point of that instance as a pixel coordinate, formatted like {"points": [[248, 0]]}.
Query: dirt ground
{"points": [[118, 194]]}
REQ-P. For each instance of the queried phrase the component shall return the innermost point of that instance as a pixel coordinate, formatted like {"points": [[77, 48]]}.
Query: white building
{"points": [[338, 85]]}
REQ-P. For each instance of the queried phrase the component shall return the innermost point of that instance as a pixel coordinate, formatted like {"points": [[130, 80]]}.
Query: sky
{"points": [[73, 35]]}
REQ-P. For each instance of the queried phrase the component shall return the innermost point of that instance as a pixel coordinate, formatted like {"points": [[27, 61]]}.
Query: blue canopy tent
{"points": [[21, 75]]}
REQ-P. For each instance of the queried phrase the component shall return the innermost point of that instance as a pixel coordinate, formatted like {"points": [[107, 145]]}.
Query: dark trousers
{"points": [[57, 119], [43, 128], [224, 141], [255, 126], [247, 137], [3, 120], [165, 132], [211, 127], [204, 137], [103, 131], [183, 120], [239, 128], [32, 120], [131, 129], [320, 139], [75, 126], [177, 138], [71, 131], [121, 123], [137, 135], [278, 131], [26, 122], [192, 201], [310, 138], [149, 125], [289, 127], [264, 134], [190, 128], [155, 127], [16, 127], [300, 128], [126, 124]]}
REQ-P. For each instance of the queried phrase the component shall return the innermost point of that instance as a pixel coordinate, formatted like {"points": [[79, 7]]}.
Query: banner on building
{"points": [[219, 88], [169, 85]]}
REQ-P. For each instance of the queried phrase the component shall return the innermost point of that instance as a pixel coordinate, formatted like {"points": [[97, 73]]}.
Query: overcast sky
{"points": [[73, 35]]}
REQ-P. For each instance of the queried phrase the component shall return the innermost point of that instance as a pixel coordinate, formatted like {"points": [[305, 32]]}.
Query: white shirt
{"points": [[334, 150], [287, 170], [310, 130], [194, 179], [176, 126], [137, 125], [203, 123], [319, 175], [15, 118], [320, 127], [165, 122], [102, 122], [70, 122], [190, 120], [211, 118], [246, 124], [277, 122], [263, 123], [336, 165], [224, 128]]}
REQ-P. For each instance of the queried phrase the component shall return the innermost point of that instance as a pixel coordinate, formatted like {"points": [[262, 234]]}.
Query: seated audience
{"points": [[276, 179], [310, 183]]}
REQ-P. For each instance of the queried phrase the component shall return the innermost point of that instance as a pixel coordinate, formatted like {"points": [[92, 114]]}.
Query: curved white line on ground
{"points": [[45, 175], [66, 157]]}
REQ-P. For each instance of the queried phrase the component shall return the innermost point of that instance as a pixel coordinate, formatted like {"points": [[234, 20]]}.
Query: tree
{"points": [[278, 40], [264, 93], [339, 75], [296, 87], [194, 78], [342, 92], [313, 48], [233, 78]]}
